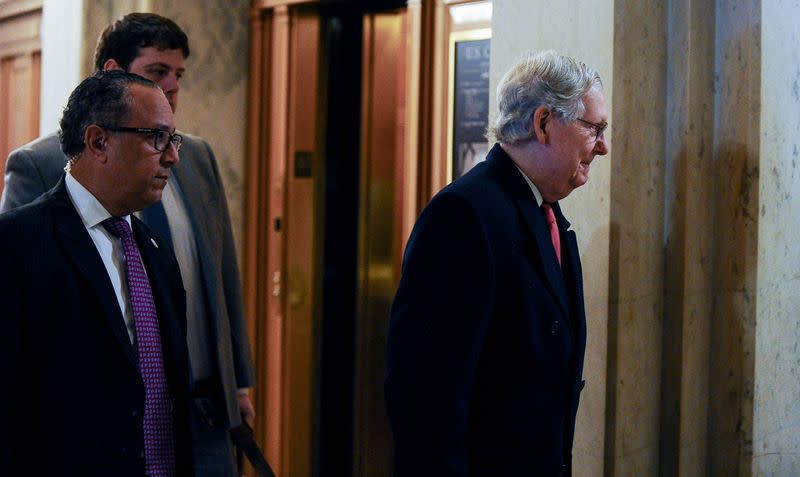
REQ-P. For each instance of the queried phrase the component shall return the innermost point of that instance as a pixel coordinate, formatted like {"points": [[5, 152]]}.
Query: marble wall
{"points": [[688, 224], [636, 220], [776, 393], [735, 258]]}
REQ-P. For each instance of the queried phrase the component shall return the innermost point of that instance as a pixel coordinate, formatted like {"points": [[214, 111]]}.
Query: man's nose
{"points": [[601, 145], [170, 83], [170, 156]]}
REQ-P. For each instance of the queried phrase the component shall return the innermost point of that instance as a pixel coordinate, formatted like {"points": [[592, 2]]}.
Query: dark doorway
{"points": [[341, 43]]}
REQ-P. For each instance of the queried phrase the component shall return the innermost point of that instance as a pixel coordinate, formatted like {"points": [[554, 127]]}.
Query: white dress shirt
{"points": [[185, 248], [533, 187], [92, 214]]}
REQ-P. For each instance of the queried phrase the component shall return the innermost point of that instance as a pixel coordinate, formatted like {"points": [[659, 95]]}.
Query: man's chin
{"points": [[578, 181], [153, 198]]}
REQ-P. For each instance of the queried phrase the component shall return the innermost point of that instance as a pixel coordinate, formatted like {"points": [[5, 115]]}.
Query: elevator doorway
{"points": [[328, 181]]}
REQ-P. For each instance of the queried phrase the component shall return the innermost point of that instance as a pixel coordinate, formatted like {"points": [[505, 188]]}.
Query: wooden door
{"points": [[283, 249], [20, 66]]}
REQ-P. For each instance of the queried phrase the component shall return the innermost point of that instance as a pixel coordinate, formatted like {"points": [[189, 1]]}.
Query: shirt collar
{"points": [[533, 187], [89, 208]]}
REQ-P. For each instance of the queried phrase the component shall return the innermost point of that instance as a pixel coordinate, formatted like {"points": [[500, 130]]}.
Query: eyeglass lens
{"points": [[163, 138]]}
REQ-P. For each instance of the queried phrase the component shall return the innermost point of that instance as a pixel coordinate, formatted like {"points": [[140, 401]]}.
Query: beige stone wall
{"points": [[776, 395], [736, 157], [637, 266], [688, 227]]}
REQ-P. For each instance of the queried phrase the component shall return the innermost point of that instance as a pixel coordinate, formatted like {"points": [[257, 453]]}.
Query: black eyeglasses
{"points": [[598, 128], [161, 137]]}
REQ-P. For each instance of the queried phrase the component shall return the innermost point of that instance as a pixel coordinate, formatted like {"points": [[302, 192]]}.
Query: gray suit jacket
{"points": [[35, 168]]}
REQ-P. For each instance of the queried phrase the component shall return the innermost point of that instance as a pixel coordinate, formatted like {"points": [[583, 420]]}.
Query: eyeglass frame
{"points": [[154, 131], [599, 129]]}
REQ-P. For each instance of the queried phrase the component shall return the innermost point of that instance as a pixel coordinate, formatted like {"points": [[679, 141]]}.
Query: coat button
{"points": [[554, 327]]}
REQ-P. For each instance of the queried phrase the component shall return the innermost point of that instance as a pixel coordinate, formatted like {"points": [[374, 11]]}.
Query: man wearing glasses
{"points": [[93, 324], [162, 138], [193, 218], [488, 331]]}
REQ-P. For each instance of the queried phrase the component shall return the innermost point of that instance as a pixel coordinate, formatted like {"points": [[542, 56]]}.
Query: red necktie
{"points": [[159, 452], [553, 227]]}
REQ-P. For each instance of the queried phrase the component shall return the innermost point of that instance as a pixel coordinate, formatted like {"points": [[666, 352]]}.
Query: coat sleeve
{"points": [[232, 288], [23, 180], [437, 328]]}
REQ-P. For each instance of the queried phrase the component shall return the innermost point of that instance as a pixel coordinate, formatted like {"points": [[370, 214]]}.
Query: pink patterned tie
{"points": [[159, 452], [551, 224]]}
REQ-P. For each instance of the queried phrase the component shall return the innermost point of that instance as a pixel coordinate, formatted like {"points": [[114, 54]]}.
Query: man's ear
{"points": [[541, 117], [111, 64], [95, 140]]}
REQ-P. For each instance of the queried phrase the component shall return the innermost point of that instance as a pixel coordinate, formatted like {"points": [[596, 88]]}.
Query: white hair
{"points": [[540, 79]]}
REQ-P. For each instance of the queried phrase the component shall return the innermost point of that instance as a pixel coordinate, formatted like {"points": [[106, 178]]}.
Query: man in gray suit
{"points": [[193, 216]]}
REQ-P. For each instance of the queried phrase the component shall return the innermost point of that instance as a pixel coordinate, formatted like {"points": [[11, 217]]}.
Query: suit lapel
{"points": [[570, 248], [156, 263], [575, 277], [544, 247], [536, 226], [158, 277], [79, 248]]}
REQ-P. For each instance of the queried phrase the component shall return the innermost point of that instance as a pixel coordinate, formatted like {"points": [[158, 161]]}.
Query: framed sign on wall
{"points": [[469, 100]]}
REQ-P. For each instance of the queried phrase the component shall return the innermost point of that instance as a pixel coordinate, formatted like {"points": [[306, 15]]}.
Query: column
{"points": [[776, 391]]}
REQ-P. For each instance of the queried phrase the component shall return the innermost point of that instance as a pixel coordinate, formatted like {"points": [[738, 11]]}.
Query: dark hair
{"points": [[122, 39], [100, 99]]}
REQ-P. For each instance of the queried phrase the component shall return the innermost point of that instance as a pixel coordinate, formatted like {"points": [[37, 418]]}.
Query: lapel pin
{"points": [[154, 242]]}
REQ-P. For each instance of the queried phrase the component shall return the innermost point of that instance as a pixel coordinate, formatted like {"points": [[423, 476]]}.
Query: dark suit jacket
{"points": [[34, 168], [487, 335], [72, 399]]}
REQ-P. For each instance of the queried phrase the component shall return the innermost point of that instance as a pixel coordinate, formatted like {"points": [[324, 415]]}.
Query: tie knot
{"points": [[117, 226]]}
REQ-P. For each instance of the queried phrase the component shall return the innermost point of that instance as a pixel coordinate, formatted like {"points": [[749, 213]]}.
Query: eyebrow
{"points": [[163, 65]]}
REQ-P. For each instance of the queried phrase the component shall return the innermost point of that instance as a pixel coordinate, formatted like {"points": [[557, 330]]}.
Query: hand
{"points": [[246, 409]]}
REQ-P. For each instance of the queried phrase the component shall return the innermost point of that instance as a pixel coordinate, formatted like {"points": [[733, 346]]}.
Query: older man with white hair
{"points": [[488, 330]]}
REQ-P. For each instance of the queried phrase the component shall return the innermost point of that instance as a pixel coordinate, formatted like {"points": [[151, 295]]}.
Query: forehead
{"points": [[150, 55], [149, 108]]}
